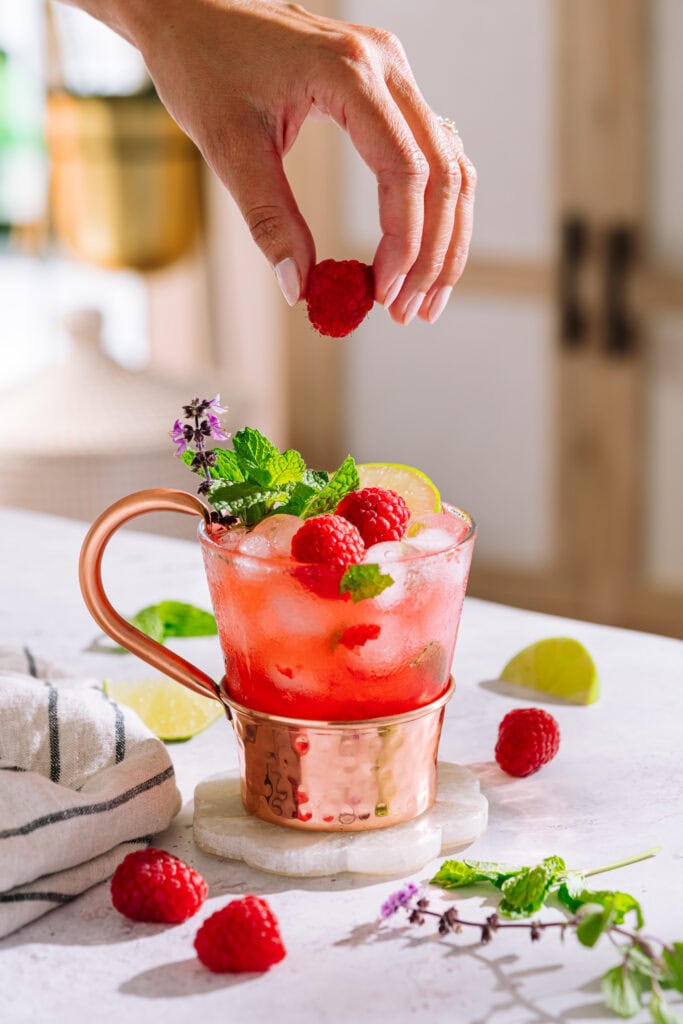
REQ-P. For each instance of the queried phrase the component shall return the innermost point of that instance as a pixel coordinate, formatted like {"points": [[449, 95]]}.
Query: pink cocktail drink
{"points": [[294, 646]]}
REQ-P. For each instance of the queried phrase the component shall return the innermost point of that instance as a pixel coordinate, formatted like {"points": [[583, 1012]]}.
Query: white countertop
{"points": [[614, 789]]}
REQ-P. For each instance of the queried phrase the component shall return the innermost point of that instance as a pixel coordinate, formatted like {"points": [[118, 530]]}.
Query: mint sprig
{"points": [[364, 581], [255, 479], [648, 966]]}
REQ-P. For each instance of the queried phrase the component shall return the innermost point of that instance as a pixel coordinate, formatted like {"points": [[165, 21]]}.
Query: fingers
{"points": [[441, 149], [458, 250], [426, 184], [380, 134], [253, 173]]}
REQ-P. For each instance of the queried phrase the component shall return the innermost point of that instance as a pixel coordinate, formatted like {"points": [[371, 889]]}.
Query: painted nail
{"points": [[393, 291], [289, 279], [439, 303], [412, 307]]}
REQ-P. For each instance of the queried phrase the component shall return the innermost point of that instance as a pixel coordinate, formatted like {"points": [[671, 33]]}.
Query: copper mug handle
{"points": [[157, 499]]}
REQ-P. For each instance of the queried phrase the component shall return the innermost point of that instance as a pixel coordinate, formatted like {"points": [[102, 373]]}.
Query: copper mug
{"points": [[324, 775]]}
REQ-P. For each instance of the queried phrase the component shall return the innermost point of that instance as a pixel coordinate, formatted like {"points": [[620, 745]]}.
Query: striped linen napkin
{"points": [[82, 783]]}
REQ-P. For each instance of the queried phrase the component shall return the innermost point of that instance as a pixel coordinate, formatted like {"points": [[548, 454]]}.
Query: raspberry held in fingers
{"points": [[339, 295]]}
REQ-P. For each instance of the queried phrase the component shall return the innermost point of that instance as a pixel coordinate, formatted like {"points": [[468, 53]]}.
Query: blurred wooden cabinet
{"points": [[548, 401]]}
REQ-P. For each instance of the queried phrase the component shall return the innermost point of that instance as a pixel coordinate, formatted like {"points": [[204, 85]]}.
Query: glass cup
{"points": [[337, 704]]}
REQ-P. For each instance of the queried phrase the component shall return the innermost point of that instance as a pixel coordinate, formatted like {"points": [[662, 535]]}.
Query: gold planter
{"points": [[125, 180]]}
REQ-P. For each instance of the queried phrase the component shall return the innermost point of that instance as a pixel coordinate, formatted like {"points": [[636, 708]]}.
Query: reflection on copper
{"points": [[339, 776]]}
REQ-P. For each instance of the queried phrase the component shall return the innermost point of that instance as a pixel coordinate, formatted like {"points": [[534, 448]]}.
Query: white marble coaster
{"points": [[222, 827]]}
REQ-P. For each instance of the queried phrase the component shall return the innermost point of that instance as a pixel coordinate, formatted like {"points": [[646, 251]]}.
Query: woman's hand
{"points": [[241, 76]]}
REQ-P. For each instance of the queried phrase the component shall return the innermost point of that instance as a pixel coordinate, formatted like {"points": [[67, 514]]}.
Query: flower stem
{"points": [[623, 863]]}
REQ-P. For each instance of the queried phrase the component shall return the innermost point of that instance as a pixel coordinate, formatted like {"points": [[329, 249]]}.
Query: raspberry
{"points": [[339, 295], [330, 544], [153, 885], [328, 540], [358, 636], [244, 936], [379, 514], [527, 739]]}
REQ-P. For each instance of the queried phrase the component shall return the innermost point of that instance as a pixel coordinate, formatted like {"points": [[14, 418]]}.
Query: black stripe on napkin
{"points": [[31, 662], [22, 897], [53, 731], [119, 729], [88, 809]]}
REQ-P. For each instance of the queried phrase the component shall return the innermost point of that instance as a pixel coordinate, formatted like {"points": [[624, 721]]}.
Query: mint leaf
{"points": [[571, 889], [300, 494], [253, 450], [622, 990], [174, 619], [662, 1012], [149, 622], [591, 927], [453, 874], [340, 484], [238, 498], [316, 478], [525, 893], [673, 960], [285, 468], [227, 465], [364, 581]]}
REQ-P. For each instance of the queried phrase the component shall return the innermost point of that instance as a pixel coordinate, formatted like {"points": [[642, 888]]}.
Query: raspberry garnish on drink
{"points": [[337, 596]]}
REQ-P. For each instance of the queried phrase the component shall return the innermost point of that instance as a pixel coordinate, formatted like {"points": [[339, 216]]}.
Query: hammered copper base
{"points": [[339, 776]]}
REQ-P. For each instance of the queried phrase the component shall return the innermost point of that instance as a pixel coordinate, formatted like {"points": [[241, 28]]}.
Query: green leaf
{"points": [[619, 903], [227, 465], [525, 893], [340, 484], [300, 494], [364, 581], [673, 960], [316, 478], [149, 622], [253, 450], [622, 989], [453, 874], [287, 468], [174, 619], [663, 1012], [591, 927], [238, 498], [571, 889]]}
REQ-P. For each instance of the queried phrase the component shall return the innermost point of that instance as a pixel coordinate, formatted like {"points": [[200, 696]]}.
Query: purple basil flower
{"points": [[215, 404], [179, 437], [215, 429], [398, 899]]}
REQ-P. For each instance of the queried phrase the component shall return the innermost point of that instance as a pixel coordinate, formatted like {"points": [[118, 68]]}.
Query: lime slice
{"points": [[170, 710], [558, 666], [415, 488]]}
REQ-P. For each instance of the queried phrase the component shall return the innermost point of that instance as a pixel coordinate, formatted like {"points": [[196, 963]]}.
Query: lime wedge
{"points": [[170, 710], [558, 666], [415, 488]]}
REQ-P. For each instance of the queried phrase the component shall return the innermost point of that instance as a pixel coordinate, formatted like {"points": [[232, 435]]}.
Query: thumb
{"points": [[258, 184]]}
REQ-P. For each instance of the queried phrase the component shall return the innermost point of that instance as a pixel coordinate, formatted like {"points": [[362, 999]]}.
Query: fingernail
{"points": [[412, 307], [439, 303], [289, 279], [393, 291]]}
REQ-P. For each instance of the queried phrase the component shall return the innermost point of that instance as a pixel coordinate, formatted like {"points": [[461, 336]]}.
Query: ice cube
{"points": [[278, 530], [388, 556], [255, 545], [445, 522]]}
